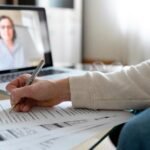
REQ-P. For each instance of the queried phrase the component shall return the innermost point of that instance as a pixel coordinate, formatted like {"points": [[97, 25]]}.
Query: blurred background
{"points": [[96, 31]]}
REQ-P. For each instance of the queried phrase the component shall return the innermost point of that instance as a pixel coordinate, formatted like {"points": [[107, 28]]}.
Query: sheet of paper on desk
{"points": [[11, 133], [59, 113], [63, 139], [53, 126], [14, 130]]}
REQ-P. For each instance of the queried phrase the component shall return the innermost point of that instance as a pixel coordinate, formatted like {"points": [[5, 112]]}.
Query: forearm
{"points": [[129, 88]]}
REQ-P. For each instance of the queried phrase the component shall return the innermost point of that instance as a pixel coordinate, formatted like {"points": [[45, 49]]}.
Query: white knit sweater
{"points": [[128, 88]]}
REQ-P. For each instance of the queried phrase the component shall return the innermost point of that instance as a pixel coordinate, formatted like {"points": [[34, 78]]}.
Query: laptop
{"points": [[28, 30]]}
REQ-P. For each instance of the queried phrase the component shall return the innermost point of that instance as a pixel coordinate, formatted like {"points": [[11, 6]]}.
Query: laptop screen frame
{"points": [[47, 52]]}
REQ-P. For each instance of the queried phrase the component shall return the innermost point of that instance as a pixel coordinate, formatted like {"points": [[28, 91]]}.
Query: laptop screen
{"points": [[24, 38]]}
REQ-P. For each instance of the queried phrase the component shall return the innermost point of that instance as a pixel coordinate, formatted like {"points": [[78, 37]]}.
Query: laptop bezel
{"points": [[47, 53]]}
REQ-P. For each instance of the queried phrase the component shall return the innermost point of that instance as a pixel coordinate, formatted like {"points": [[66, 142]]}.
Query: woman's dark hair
{"points": [[12, 23]]}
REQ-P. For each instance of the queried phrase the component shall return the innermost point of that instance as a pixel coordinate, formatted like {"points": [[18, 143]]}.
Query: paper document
{"points": [[49, 126], [37, 115]]}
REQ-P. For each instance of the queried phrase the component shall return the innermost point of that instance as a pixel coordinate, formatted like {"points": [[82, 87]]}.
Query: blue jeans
{"points": [[135, 135]]}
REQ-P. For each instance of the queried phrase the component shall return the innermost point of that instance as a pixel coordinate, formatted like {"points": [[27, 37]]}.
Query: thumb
{"points": [[19, 93]]}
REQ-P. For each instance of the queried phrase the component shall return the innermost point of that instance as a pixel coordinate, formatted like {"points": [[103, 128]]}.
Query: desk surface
{"points": [[104, 145], [2, 97]]}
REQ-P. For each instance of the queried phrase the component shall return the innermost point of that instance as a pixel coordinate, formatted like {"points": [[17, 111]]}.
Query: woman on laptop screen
{"points": [[11, 52]]}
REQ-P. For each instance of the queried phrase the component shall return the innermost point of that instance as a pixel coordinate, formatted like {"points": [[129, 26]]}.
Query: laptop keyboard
{"points": [[44, 72], [50, 71]]}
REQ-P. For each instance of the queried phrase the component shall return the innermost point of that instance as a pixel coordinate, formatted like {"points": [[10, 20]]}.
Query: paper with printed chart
{"points": [[52, 125]]}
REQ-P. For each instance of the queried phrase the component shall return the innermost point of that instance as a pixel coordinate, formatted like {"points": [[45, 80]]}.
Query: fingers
{"points": [[18, 82], [20, 93], [27, 104], [24, 106]]}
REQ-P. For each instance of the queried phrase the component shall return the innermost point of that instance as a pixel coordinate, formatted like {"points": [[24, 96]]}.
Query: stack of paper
{"points": [[60, 127]]}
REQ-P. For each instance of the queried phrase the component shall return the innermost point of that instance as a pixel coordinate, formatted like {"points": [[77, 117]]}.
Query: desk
{"points": [[104, 145], [99, 67], [2, 86], [2, 97]]}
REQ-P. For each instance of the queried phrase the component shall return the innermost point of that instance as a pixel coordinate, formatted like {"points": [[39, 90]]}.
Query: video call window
{"points": [[21, 43]]}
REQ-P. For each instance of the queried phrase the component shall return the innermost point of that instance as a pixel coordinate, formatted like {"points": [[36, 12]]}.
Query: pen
{"points": [[31, 79]]}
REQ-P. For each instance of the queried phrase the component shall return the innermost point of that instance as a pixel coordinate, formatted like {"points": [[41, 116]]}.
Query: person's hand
{"points": [[41, 93]]}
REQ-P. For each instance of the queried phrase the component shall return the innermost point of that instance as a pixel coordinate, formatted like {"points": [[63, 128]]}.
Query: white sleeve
{"points": [[128, 88]]}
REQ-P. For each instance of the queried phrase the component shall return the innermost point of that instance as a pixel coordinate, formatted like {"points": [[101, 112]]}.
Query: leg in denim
{"points": [[135, 135]]}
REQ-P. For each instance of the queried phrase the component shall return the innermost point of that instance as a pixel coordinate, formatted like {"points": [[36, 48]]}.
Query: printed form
{"points": [[50, 126]]}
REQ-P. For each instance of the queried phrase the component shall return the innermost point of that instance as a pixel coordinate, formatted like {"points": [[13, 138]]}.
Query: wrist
{"points": [[63, 89]]}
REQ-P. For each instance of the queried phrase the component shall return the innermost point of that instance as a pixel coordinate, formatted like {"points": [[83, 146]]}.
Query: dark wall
{"points": [[62, 3], [22, 2], [52, 3]]}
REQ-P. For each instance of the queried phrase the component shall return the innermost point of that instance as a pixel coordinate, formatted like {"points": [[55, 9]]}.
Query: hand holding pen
{"points": [[31, 79]]}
